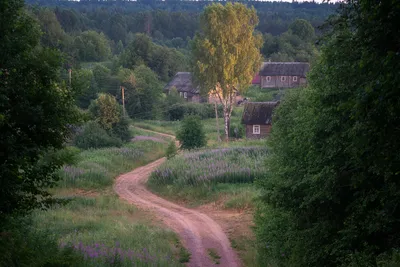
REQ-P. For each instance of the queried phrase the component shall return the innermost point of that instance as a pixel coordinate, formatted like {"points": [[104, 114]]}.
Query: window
{"points": [[184, 95], [256, 129], [268, 78], [295, 78], [181, 94], [283, 78]]}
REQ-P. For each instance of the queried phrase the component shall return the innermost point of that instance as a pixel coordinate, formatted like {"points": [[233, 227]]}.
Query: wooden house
{"points": [[283, 74], [182, 81], [257, 117]]}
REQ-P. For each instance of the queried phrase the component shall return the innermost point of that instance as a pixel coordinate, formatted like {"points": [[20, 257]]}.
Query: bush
{"points": [[121, 129], [93, 136], [191, 134], [23, 245], [172, 150], [237, 130], [180, 110]]}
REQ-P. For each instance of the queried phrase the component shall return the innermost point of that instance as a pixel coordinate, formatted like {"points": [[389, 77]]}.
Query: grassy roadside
{"points": [[95, 224]]}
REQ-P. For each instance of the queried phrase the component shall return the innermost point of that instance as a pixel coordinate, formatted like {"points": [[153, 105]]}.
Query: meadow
{"points": [[93, 227], [208, 175], [220, 177]]}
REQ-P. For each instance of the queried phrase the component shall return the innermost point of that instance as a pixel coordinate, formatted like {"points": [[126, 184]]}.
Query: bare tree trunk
{"points": [[216, 118], [226, 122]]}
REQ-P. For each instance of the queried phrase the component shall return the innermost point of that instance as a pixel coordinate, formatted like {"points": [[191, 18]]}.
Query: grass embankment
{"points": [[96, 223], [223, 177]]}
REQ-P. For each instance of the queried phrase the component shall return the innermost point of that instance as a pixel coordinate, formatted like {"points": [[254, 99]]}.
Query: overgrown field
{"points": [[222, 177], [94, 227], [204, 176]]}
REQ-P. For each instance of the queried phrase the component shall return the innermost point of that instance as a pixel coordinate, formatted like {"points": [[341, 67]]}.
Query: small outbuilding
{"points": [[257, 118]]}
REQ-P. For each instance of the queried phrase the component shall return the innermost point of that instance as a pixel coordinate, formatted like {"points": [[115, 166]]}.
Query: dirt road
{"points": [[198, 231]]}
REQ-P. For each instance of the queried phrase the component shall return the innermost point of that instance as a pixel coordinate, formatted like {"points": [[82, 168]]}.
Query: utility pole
{"points": [[123, 98]]}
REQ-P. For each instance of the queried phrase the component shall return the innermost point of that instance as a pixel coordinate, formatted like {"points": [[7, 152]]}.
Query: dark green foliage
{"points": [[92, 46], [121, 130], [332, 192], [203, 110], [164, 61], [23, 245], [297, 44], [237, 130], [36, 112], [142, 92], [94, 136], [191, 134], [172, 150]]}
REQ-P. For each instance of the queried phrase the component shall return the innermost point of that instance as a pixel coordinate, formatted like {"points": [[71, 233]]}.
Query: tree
{"points": [[105, 110], [84, 84], [331, 193], [137, 52], [53, 34], [92, 46], [36, 111], [191, 134], [143, 92], [226, 53], [303, 29]]}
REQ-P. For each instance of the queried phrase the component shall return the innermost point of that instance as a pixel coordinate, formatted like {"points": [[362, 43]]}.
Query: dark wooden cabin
{"points": [[182, 82], [283, 74], [257, 117]]}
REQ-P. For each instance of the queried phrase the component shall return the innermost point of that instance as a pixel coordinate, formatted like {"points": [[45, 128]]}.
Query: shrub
{"points": [[93, 136], [23, 245], [172, 150], [191, 134], [237, 130], [121, 129]]}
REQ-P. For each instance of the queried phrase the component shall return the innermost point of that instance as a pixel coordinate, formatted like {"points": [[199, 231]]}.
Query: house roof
{"points": [[284, 69], [258, 112], [182, 81]]}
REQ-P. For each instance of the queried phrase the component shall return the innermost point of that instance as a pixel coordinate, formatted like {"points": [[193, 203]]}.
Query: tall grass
{"points": [[218, 175], [108, 232], [97, 168], [226, 165]]}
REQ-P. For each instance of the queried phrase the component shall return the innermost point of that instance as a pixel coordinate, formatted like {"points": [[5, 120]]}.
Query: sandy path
{"points": [[197, 231]]}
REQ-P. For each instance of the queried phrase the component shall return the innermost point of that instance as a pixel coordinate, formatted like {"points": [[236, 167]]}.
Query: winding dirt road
{"points": [[197, 231]]}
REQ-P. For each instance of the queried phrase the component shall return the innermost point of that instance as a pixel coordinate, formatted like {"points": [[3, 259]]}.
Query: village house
{"points": [[257, 118], [182, 82], [282, 74]]}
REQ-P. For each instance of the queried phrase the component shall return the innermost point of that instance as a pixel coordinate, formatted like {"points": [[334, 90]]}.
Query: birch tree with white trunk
{"points": [[226, 53]]}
